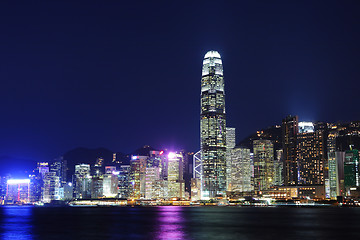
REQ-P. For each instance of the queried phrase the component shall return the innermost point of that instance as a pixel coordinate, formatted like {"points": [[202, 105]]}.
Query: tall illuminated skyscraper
{"points": [[213, 126]]}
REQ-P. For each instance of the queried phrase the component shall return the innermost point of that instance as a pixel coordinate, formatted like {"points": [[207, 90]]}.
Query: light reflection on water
{"points": [[16, 222], [175, 222], [171, 223]]}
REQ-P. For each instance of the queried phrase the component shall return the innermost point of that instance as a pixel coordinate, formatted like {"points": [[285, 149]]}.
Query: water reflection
{"points": [[16, 222], [171, 223]]}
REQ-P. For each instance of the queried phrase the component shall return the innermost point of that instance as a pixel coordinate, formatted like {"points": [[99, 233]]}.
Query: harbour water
{"points": [[175, 222]]}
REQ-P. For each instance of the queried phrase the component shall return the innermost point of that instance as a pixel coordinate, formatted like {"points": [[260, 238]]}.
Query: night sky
{"points": [[123, 75]]}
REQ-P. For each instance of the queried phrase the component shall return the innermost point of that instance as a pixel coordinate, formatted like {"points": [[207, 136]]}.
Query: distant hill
{"points": [[144, 151], [272, 133], [89, 156]]}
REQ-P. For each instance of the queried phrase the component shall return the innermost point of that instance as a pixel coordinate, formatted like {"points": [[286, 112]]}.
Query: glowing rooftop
{"points": [[211, 54], [18, 181]]}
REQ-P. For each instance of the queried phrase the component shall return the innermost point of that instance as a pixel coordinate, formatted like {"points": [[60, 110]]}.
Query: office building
{"points": [[18, 191], [263, 164], [51, 187], [110, 185], [137, 176], [152, 179], [289, 133], [278, 168], [230, 144], [311, 155], [213, 126], [351, 169], [124, 181], [82, 181], [334, 189], [97, 187], [240, 170], [176, 184]]}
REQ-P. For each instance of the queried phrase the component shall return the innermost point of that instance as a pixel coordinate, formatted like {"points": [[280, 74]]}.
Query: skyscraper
{"points": [[18, 191], [289, 133], [310, 155], [263, 164], [82, 181], [230, 145], [137, 176], [176, 184], [240, 170], [124, 181], [213, 126], [351, 169]]}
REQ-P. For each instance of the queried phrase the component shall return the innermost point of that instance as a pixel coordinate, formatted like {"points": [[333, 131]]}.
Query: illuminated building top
{"points": [[305, 127], [18, 181], [212, 64]]}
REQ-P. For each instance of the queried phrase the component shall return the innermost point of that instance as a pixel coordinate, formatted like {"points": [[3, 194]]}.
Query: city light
{"points": [[18, 181], [305, 127], [211, 54], [171, 155]]}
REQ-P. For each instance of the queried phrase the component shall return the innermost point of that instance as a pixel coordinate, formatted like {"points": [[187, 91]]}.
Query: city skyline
{"points": [[87, 86]]}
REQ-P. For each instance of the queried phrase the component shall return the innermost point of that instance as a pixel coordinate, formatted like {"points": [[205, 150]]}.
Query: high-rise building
{"points": [[42, 168], [176, 184], [213, 126], [137, 176], [188, 171], [289, 133], [18, 191], [196, 180], [240, 170], [124, 181], [263, 164], [97, 187], [110, 185], [153, 177], [278, 168], [311, 155], [351, 169], [51, 187], [36, 186], [340, 183], [230, 144], [59, 166], [82, 181], [3, 186], [334, 189]]}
